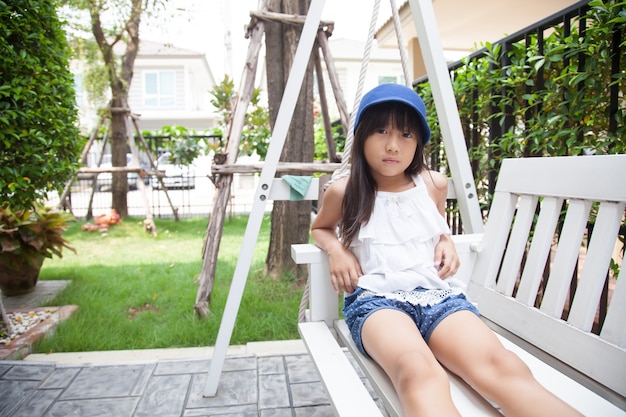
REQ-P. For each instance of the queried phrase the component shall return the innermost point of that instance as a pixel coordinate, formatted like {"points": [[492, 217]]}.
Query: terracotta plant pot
{"points": [[21, 279], [27, 236]]}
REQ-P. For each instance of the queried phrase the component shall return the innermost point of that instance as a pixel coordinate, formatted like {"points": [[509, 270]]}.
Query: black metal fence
{"points": [[501, 92], [504, 119], [189, 191]]}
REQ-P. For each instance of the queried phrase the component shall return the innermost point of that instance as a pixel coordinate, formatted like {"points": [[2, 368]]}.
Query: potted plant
{"points": [[40, 139], [27, 237]]}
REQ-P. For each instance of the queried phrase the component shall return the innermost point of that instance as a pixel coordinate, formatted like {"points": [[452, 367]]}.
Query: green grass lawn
{"points": [[135, 291]]}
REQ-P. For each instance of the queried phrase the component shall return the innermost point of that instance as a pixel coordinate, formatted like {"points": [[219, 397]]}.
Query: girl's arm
{"points": [[445, 252], [344, 267]]}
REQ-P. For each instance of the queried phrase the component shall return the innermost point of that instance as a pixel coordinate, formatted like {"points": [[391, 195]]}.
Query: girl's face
{"points": [[389, 151]]}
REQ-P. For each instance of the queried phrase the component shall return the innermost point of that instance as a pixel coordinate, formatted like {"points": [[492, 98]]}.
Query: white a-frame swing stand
{"points": [[458, 160]]}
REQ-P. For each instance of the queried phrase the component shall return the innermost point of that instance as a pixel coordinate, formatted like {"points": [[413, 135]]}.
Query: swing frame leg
{"points": [[281, 128]]}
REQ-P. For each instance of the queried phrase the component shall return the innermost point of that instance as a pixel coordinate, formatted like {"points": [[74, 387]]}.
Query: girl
{"points": [[394, 259]]}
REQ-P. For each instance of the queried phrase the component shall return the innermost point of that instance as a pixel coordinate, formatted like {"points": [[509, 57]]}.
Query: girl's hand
{"points": [[446, 257], [345, 270]]}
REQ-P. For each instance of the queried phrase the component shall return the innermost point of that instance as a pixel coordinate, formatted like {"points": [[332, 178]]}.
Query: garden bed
{"points": [[29, 325]]}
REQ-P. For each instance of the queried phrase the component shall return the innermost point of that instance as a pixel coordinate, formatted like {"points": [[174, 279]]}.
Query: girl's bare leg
{"points": [[467, 347], [391, 338]]}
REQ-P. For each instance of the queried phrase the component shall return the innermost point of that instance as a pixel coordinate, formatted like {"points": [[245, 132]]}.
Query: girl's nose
{"points": [[392, 144]]}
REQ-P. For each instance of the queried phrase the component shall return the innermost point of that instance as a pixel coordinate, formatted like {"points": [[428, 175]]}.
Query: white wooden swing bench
{"points": [[586, 370]]}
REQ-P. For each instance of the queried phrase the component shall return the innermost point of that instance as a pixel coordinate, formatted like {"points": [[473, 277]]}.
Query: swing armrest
{"points": [[467, 247], [323, 300]]}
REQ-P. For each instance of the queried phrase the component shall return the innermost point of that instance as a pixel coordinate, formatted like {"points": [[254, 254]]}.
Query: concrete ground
{"points": [[259, 379]]}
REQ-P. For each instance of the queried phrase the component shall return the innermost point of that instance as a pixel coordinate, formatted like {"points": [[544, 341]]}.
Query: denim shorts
{"points": [[358, 307]]}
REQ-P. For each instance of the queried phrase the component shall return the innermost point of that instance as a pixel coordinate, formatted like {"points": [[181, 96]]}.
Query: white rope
{"points": [[344, 169], [403, 55], [304, 301]]}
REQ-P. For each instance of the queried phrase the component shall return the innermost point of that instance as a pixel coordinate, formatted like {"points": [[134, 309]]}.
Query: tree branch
{"points": [[132, 46]]}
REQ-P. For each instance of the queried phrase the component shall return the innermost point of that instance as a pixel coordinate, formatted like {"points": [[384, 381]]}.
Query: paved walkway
{"points": [[265, 379], [251, 385]]}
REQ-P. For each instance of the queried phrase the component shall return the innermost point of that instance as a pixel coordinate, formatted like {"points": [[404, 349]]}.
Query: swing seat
{"points": [[540, 215]]}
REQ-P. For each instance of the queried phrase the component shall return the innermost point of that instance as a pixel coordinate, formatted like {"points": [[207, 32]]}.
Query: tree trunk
{"points": [[120, 84], [290, 220], [119, 186]]}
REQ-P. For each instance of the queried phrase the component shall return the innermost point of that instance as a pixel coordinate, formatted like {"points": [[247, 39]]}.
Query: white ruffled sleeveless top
{"points": [[396, 246]]}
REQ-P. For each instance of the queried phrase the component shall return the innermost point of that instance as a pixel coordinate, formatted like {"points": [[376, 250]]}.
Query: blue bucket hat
{"points": [[399, 93]]}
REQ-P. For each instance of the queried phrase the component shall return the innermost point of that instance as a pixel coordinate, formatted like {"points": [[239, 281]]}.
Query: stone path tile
{"points": [[38, 403], [104, 382], [28, 372], [270, 365], [273, 391], [60, 378], [164, 396], [96, 407], [309, 394], [14, 392], [300, 368]]}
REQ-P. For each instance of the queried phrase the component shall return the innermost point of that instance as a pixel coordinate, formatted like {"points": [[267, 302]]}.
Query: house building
{"points": [[171, 86], [384, 67]]}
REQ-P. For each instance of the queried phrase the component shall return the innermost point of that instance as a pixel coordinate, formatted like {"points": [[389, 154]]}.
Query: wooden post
{"points": [[154, 167], [83, 157], [328, 130], [148, 223], [224, 182], [322, 40], [94, 181]]}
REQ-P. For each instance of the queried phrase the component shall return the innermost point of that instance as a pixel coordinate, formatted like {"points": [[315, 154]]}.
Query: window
{"points": [[159, 89], [393, 79]]}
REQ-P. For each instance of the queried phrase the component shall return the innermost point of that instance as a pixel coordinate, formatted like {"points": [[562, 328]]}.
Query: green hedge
{"points": [[39, 137], [543, 98]]}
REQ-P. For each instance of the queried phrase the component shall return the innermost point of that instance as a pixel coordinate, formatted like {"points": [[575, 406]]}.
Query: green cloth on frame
{"points": [[299, 186]]}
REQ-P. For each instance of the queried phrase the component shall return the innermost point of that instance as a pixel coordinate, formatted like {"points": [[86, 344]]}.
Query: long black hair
{"points": [[360, 194]]}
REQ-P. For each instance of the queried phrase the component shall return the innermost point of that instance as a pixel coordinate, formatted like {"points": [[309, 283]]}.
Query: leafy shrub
{"points": [[547, 96], [39, 138]]}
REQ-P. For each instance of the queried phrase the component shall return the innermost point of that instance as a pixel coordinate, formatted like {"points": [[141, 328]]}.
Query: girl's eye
{"points": [[382, 131], [407, 135]]}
